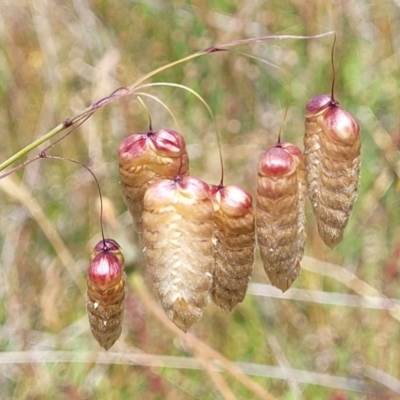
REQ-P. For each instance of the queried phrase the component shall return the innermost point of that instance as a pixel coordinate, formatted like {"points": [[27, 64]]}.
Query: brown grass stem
{"points": [[354, 283], [140, 288]]}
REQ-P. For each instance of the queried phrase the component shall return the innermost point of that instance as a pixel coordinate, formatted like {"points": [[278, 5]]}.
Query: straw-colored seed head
{"points": [[234, 243], [106, 292], [280, 215], [145, 158], [332, 162], [178, 231]]}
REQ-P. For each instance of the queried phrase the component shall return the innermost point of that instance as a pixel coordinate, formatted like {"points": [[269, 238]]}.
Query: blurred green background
{"points": [[56, 58]]}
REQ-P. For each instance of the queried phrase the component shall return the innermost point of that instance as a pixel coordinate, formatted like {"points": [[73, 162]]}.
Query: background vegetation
{"points": [[334, 335]]}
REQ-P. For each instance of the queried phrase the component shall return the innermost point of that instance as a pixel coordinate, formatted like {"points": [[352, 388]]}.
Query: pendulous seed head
{"points": [[106, 292], [280, 213], [145, 158], [234, 243], [332, 145], [178, 231]]}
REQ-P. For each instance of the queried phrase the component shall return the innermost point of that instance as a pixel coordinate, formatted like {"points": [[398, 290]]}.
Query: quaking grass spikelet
{"points": [[332, 162], [178, 231], [234, 222], [106, 292], [280, 214], [145, 158]]}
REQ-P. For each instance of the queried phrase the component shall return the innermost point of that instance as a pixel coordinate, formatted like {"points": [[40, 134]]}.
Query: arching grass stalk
{"points": [[20, 193], [43, 152], [44, 155], [177, 85], [125, 91], [157, 100]]}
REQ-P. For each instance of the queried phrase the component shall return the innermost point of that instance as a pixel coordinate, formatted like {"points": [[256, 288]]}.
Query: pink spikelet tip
{"points": [[107, 263]]}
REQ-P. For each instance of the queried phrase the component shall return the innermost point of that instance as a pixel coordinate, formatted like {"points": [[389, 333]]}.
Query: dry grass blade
{"points": [[204, 350], [382, 184], [162, 361], [382, 377], [326, 298], [350, 280], [285, 366], [99, 357], [23, 196], [309, 377], [386, 143], [217, 378]]}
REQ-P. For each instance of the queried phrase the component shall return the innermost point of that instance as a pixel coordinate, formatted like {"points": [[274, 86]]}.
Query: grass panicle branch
{"points": [[125, 91]]}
